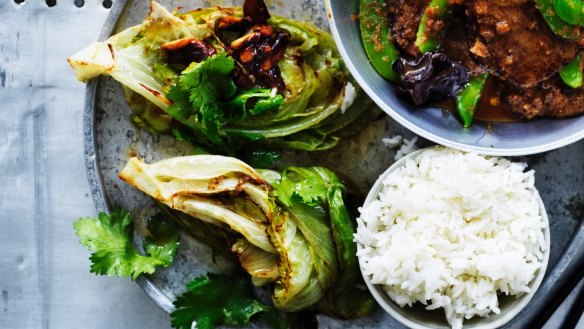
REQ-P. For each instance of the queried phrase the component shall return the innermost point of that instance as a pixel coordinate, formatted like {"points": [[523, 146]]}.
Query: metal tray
{"points": [[110, 138]]}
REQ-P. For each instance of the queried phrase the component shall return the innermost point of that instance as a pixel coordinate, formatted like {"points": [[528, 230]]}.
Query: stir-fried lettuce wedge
{"points": [[294, 292], [109, 237], [278, 235], [170, 182], [220, 300], [313, 223], [130, 56], [295, 231], [303, 191], [318, 87]]}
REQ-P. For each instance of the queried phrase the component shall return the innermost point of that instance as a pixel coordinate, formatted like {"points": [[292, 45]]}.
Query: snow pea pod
{"points": [[558, 26], [375, 33], [571, 11], [572, 73], [425, 40], [467, 100]]}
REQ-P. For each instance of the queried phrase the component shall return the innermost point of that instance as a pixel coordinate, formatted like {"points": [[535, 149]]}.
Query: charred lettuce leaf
{"points": [[292, 228], [307, 114]]}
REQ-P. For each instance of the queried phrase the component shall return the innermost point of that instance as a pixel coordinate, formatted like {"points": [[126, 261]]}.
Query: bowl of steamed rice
{"points": [[448, 239]]}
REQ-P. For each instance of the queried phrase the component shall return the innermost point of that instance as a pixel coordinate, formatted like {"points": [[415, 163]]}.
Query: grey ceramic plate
{"points": [[110, 139], [509, 139]]}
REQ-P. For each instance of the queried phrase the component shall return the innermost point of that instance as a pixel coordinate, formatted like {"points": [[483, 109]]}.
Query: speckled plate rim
{"points": [[390, 307], [90, 152], [425, 133]]}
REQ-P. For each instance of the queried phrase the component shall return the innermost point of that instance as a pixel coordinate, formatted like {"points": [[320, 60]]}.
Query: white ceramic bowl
{"points": [[417, 317]]}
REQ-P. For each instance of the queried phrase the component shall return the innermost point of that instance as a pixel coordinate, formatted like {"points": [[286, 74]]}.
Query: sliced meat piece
{"points": [[455, 42], [512, 40], [256, 10], [183, 52], [406, 16], [551, 98]]}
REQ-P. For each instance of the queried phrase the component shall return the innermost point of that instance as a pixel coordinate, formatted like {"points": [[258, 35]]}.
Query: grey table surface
{"points": [[44, 272]]}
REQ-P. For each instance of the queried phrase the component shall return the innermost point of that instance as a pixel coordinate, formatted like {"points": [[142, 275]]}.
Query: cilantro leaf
{"points": [[208, 83], [205, 98], [302, 185], [209, 79], [198, 97], [217, 300], [109, 237]]}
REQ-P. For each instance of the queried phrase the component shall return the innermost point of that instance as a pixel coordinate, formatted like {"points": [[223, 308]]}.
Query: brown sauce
{"points": [[490, 107]]}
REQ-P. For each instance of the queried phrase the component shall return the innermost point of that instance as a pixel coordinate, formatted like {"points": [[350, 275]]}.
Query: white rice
{"points": [[409, 146], [393, 141], [406, 146], [453, 230]]}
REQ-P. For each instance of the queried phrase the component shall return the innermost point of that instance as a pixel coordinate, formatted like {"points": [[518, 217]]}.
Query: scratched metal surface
{"points": [[44, 272], [44, 277]]}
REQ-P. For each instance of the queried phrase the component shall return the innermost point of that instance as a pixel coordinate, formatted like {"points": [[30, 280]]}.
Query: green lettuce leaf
{"points": [[256, 101], [109, 237], [306, 140], [261, 158]]}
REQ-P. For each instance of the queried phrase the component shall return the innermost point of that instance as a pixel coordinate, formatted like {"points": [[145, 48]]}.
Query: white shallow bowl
{"points": [[417, 317], [503, 139]]}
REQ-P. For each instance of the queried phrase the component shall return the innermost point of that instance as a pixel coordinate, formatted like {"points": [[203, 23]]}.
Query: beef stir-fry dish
{"points": [[494, 60]]}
